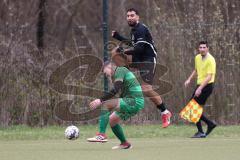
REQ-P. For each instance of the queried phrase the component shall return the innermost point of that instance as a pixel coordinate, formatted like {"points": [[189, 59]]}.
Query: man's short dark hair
{"points": [[133, 10], [203, 42]]}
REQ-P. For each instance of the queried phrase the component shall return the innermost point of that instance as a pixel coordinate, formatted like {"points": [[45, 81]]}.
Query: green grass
{"points": [[132, 131], [150, 143]]}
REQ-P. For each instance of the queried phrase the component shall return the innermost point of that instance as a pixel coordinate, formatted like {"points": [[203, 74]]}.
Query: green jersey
{"points": [[131, 86], [131, 98]]}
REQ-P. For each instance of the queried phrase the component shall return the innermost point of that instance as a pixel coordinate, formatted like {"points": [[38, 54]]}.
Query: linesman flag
{"points": [[192, 111]]}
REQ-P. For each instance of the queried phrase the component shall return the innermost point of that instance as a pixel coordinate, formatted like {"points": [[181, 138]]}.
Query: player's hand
{"points": [[94, 104], [198, 92], [113, 33], [187, 82]]}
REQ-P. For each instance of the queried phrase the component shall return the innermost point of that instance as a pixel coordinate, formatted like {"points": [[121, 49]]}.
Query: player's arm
{"points": [[188, 81], [193, 75], [119, 57], [117, 36], [129, 51], [116, 88], [206, 81], [203, 84], [140, 37], [138, 47]]}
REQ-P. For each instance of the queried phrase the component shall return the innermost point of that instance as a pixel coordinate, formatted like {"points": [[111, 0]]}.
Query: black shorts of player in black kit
{"points": [[147, 68], [206, 92]]}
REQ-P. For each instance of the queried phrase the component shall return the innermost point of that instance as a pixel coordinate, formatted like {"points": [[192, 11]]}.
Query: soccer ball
{"points": [[72, 132]]}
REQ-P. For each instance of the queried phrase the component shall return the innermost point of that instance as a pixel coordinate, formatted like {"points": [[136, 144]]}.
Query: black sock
{"points": [[199, 126], [161, 107], [206, 120]]}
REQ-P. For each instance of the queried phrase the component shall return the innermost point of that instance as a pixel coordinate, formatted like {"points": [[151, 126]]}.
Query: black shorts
{"points": [[147, 68], [206, 92]]}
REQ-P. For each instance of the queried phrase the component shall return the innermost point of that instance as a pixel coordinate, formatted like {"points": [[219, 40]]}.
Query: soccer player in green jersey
{"points": [[143, 57], [130, 102]]}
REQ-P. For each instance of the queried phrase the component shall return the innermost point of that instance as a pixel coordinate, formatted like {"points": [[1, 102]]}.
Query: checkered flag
{"points": [[191, 112]]}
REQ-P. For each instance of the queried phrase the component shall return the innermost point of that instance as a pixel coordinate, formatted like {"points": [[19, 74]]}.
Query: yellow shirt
{"points": [[204, 67]]}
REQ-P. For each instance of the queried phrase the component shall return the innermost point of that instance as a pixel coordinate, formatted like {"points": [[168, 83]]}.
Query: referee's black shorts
{"points": [[147, 68], [206, 92]]}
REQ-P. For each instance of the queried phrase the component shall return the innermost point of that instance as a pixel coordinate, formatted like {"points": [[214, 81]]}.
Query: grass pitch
{"points": [[149, 143]]}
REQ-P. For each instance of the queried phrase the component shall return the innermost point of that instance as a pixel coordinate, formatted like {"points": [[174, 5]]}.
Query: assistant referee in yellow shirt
{"points": [[205, 70]]}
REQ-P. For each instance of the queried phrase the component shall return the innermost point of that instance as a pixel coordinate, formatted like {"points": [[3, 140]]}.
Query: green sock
{"points": [[103, 121], [118, 131]]}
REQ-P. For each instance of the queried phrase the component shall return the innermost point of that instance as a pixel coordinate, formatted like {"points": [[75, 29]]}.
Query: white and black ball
{"points": [[71, 132]]}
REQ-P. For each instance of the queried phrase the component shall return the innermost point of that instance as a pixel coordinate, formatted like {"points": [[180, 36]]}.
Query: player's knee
{"points": [[113, 121], [112, 124]]}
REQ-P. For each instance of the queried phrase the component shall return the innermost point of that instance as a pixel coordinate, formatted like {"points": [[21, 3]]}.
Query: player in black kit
{"points": [[143, 57]]}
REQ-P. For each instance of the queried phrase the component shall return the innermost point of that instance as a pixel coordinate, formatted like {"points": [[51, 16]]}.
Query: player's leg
{"points": [[147, 72], [118, 131], [201, 99], [103, 121], [206, 92], [210, 125], [200, 133], [102, 126], [125, 111]]}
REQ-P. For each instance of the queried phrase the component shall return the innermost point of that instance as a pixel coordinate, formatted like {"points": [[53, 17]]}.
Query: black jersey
{"points": [[142, 42]]}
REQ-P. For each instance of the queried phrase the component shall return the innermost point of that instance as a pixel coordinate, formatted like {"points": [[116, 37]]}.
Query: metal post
{"points": [[105, 38]]}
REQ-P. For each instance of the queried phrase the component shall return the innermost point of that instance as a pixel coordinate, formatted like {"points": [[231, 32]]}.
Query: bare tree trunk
{"points": [[40, 25]]}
